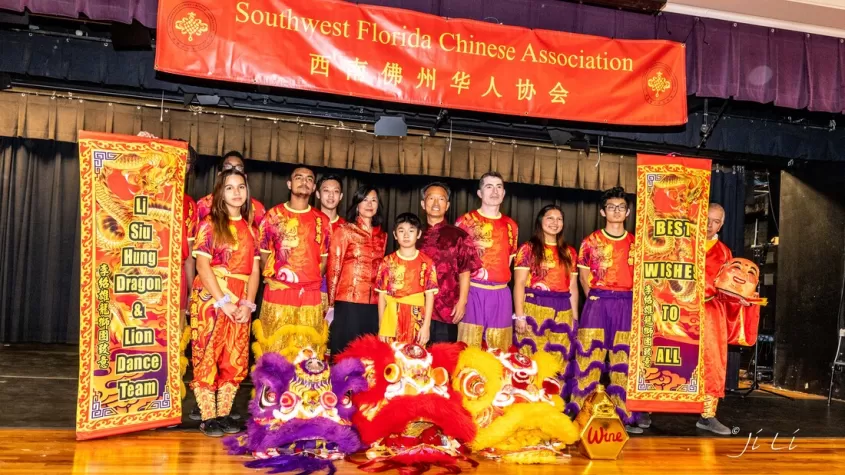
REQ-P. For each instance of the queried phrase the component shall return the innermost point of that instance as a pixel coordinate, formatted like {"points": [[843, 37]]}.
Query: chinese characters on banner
{"points": [[131, 203], [403, 56], [665, 372]]}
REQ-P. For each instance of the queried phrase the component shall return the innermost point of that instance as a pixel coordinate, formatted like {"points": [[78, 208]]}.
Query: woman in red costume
{"points": [[355, 252], [222, 302]]}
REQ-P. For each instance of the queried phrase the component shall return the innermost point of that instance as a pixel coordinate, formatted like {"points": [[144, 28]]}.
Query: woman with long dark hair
{"points": [[355, 252], [222, 301], [545, 293]]}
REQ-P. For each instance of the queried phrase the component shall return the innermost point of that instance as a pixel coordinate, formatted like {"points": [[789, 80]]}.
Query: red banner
{"points": [[131, 191], [665, 367], [398, 55]]}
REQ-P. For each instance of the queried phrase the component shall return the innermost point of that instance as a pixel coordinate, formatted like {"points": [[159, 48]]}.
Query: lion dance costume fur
{"points": [[515, 401], [409, 416], [301, 414]]}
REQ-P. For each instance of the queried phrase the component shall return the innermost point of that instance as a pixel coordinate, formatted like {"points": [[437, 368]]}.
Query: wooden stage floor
{"points": [[39, 451]]}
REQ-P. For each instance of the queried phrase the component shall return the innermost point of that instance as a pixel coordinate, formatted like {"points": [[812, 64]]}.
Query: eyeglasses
{"points": [[229, 166], [620, 208]]}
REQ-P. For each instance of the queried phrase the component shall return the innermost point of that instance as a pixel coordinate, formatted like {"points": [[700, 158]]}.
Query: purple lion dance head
{"points": [[300, 414]]}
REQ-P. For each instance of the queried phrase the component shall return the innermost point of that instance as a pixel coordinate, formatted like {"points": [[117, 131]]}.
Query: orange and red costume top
{"points": [[354, 256], [609, 260], [550, 274], [495, 240], [295, 242]]}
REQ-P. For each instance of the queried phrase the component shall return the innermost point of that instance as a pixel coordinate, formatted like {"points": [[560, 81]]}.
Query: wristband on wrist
{"points": [[518, 318], [223, 301], [246, 303]]}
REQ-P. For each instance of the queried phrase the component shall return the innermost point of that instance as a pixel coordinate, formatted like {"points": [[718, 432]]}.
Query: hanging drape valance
{"points": [[283, 139]]}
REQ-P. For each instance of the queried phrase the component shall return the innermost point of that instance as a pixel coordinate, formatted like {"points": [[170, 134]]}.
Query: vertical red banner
{"points": [[665, 372], [131, 193]]}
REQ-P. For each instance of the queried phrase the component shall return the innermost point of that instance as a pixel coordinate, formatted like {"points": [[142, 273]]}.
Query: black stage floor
{"points": [[38, 389]]}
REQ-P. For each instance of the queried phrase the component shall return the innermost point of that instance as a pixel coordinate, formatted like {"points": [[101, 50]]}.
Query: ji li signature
{"points": [[756, 446]]}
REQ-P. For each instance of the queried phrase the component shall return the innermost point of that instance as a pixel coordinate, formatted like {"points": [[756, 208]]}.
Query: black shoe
{"points": [[195, 414], [235, 416], [229, 425], [211, 428]]}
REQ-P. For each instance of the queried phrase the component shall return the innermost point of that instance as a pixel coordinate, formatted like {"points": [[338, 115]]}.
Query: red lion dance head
{"points": [[410, 416]]}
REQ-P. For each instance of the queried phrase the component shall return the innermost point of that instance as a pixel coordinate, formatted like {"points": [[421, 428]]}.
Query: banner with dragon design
{"points": [[131, 193], [665, 372]]}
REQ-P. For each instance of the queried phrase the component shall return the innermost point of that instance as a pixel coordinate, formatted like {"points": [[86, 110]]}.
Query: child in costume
{"points": [[516, 405], [222, 302], [409, 416], [329, 194], [406, 282], [300, 413], [606, 270], [545, 294]]}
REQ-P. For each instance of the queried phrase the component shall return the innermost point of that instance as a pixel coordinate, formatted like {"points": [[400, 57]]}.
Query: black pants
{"points": [[351, 320], [442, 332]]}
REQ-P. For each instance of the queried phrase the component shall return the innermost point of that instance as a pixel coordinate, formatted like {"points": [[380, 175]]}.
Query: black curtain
{"points": [[39, 241], [727, 187], [39, 223]]}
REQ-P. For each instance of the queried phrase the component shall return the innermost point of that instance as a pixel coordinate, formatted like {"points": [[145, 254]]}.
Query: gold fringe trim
{"points": [[289, 340], [710, 405], [527, 425], [501, 338], [471, 334], [533, 457]]}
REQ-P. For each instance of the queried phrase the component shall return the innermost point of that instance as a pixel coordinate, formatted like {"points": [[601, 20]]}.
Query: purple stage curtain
{"points": [[724, 59], [123, 11]]}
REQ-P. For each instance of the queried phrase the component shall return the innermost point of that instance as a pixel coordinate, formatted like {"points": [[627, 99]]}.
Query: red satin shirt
{"points": [[717, 254], [354, 258]]}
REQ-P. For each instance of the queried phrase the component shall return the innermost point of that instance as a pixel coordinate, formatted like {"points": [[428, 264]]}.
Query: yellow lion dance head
{"points": [[516, 404]]}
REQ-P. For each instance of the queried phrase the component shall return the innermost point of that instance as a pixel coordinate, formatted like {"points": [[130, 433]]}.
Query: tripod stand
{"points": [[755, 382], [759, 256]]}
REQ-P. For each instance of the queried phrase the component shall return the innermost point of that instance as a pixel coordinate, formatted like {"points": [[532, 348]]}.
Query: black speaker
{"points": [[12, 18], [134, 36]]}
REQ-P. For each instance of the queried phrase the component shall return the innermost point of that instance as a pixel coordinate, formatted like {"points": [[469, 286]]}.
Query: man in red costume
{"points": [[718, 308]]}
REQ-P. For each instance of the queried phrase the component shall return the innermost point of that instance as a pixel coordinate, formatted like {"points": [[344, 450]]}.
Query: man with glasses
{"points": [[231, 160], [294, 241], [606, 271]]}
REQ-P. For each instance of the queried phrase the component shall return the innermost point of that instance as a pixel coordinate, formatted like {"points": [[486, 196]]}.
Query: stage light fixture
{"points": [[208, 100], [560, 137], [391, 126], [441, 118]]}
